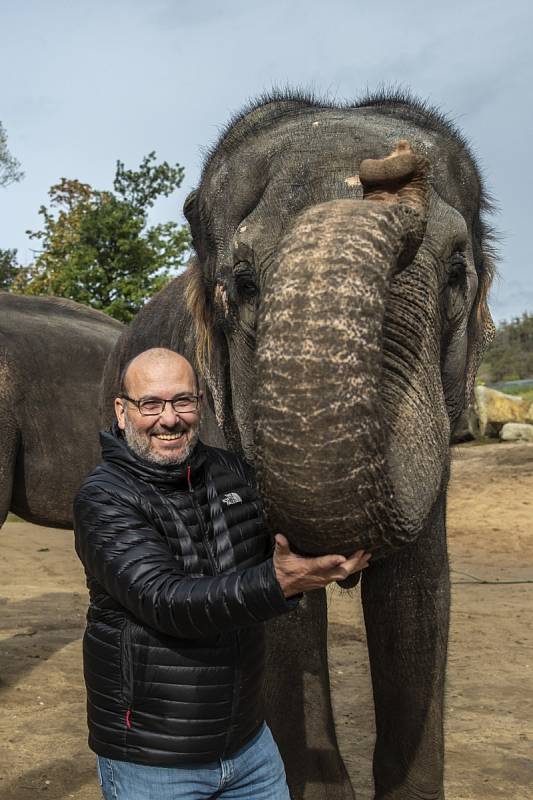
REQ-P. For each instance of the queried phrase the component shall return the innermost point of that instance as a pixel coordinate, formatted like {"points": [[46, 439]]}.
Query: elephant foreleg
{"points": [[406, 607], [298, 703]]}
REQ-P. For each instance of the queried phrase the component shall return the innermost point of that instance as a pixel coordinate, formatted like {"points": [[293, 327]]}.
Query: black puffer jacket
{"points": [[180, 578]]}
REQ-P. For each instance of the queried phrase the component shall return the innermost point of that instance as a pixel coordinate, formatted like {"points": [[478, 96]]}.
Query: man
{"points": [[181, 578]]}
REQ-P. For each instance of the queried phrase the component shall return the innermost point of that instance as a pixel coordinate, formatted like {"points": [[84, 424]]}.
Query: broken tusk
{"points": [[353, 180]]}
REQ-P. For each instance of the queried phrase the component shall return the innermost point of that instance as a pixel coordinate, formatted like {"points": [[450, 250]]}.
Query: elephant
{"points": [[335, 307], [52, 355]]}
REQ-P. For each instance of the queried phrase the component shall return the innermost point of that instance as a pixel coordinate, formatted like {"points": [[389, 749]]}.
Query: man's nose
{"points": [[169, 416]]}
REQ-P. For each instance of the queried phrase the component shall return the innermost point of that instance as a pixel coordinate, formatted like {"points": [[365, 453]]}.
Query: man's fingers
{"points": [[282, 545], [324, 569], [355, 563], [299, 573], [326, 563], [344, 572], [358, 559], [359, 554]]}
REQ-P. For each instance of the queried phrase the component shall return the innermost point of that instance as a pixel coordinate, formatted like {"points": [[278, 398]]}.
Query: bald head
{"points": [[154, 361], [158, 406]]}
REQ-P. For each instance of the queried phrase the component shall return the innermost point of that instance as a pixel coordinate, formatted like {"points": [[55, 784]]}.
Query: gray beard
{"points": [[140, 444]]}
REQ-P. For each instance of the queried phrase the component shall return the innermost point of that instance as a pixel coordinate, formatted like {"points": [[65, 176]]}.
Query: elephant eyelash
{"points": [[454, 292], [245, 280], [457, 273]]}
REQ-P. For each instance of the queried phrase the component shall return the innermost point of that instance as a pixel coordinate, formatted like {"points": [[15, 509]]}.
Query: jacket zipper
{"points": [[234, 635], [201, 522], [127, 671]]}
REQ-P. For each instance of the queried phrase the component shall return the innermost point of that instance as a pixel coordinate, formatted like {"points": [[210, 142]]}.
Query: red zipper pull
{"points": [[189, 477], [128, 718]]}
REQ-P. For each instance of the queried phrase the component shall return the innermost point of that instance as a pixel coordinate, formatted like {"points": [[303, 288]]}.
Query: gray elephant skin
{"points": [[335, 307], [52, 356]]}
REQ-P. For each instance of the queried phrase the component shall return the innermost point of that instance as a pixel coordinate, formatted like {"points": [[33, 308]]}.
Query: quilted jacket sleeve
{"points": [[131, 561]]}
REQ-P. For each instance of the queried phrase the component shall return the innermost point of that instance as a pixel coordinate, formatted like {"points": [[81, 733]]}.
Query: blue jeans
{"points": [[255, 772]]}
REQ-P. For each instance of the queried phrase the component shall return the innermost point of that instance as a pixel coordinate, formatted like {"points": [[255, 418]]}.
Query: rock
{"points": [[516, 432], [492, 410]]}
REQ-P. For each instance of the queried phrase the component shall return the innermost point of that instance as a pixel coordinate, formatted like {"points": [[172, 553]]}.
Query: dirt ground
{"points": [[490, 677]]}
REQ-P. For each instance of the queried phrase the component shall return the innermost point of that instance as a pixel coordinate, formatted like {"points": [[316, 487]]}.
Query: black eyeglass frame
{"points": [[138, 403]]}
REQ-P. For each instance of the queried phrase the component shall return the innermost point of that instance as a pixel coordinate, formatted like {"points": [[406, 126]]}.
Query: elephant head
{"points": [[339, 293]]}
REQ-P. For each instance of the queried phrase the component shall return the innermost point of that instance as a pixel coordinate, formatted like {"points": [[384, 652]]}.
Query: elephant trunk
{"points": [[321, 436]]}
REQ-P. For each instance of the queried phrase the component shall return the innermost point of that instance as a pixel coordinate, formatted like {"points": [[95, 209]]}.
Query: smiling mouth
{"points": [[168, 437]]}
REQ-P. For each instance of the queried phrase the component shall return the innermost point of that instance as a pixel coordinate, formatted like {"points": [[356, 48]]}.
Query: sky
{"points": [[83, 84]]}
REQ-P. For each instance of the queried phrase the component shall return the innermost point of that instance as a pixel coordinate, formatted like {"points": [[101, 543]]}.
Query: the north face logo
{"points": [[231, 498]]}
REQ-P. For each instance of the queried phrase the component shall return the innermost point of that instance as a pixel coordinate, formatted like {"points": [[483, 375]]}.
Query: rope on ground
{"points": [[486, 581]]}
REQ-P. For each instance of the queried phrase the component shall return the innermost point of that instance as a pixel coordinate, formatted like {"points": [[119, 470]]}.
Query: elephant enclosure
{"points": [[43, 748]]}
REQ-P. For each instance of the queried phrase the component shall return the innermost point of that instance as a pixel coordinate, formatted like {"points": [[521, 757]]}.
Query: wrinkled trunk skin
{"points": [[338, 472], [321, 435]]}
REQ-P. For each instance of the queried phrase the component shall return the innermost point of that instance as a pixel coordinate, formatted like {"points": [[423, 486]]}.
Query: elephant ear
{"points": [[190, 209], [212, 358], [191, 213], [482, 332], [198, 301]]}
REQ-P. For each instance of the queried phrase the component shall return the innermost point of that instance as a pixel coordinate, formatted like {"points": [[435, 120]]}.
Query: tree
{"points": [[510, 356], [97, 247], [9, 269], [10, 170]]}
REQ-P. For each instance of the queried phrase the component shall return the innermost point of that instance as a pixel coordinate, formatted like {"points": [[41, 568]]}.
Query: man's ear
{"points": [[120, 413], [200, 403]]}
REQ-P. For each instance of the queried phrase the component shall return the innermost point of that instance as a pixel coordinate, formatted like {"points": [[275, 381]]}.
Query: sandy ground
{"points": [[489, 724]]}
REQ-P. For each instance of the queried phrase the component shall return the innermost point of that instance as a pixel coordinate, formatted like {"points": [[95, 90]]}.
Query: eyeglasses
{"points": [[154, 407]]}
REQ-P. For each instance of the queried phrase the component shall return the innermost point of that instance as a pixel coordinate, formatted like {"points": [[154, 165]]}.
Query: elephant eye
{"points": [[457, 271], [245, 281], [456, 288]]}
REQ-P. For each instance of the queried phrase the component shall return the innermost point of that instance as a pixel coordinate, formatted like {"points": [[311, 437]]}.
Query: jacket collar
{"points": [[116, 451]]}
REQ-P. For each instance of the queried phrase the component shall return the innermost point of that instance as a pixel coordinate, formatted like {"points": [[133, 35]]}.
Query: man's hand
{"points": [[297, 574]]}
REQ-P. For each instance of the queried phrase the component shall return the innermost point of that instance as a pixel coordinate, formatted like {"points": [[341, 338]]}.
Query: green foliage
{"points": [[141, 188], [510, 356], [10, 170], [525, 394], [97, 247], [9, 269]]}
